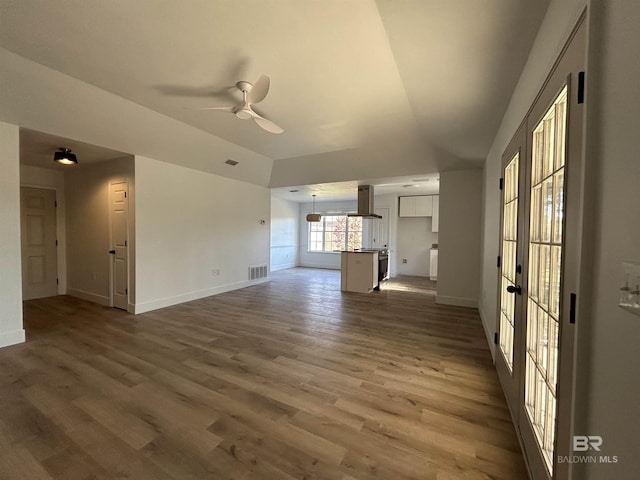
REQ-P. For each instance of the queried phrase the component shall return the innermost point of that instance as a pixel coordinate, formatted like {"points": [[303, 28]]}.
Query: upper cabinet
{"points": [[424, 206], [421, 206], [417, 206]]}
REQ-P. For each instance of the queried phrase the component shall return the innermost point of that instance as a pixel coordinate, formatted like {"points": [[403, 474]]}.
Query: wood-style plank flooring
{"points": [[290, 379]]}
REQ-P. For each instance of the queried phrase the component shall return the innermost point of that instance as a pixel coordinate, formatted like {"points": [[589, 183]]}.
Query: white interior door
{"points": [[119, 220], [39, 250], [380, 233]]}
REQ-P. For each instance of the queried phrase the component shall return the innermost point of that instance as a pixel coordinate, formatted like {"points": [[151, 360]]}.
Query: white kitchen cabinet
{"points": [[407, 206], [433, 264], [416, 206], [359, 271], [424, 206], [435, 219]]}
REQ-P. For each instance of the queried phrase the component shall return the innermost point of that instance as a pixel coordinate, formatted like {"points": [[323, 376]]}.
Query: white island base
{"points": [[359, 271]]}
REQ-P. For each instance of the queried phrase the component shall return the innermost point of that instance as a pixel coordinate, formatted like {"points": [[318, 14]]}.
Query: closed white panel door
{"points": [[39, 256], [119, 216], [380, 237]]}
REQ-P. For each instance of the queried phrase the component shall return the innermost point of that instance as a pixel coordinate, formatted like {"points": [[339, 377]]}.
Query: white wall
{"points": [[411, 156], [50, 179], [190, 223], [87, 221], [559, 21], [459, 238], [414, 242], [322, 259], [11, 330], [609, 366], [285, 230]]}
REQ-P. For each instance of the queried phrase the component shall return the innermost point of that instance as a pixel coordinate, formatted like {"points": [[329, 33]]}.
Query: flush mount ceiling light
{"points": [[65, 157], [314, 217]]}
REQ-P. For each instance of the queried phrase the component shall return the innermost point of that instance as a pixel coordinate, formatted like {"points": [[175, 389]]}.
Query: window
{"points": [[334, 233]]}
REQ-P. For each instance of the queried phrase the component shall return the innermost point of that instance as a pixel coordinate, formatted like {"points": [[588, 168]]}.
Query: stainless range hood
{"points": [[365, 203]]}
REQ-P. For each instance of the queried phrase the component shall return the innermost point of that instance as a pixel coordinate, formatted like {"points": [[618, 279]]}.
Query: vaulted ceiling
{"points": [[346, 76]]}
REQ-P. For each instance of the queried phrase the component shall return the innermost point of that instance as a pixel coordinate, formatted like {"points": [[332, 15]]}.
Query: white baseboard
{"points": [[12, 338], [319, 265], [283, 266], [488, 331], [187, 297], [89, 296], [457, 301]]}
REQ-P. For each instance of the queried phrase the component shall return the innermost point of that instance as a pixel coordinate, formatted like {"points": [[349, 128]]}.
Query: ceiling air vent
{"points": [[233, 163]]}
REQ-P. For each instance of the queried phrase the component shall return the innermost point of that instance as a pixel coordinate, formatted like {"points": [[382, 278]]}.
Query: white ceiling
{"points": [[344, 74], [37, 149], [343, 191]]}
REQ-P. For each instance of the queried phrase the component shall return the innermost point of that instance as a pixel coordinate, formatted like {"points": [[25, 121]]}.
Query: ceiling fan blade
{"points": [[267, 125], [226, 109], [260, 89]]}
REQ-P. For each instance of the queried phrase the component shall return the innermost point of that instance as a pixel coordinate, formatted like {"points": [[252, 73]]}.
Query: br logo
{"points": [[583, 443]]}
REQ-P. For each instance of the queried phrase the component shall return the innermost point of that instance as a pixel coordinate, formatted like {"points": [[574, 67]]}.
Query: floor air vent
{"points": [[258, 271]]}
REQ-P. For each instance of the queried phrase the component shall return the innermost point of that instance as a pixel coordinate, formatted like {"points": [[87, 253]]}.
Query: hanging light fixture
{"points": [[65, 157], [314, 217]]}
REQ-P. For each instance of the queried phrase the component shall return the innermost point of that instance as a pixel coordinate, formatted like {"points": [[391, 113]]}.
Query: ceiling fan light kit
{"points": [[65, 157], [252, 94]]}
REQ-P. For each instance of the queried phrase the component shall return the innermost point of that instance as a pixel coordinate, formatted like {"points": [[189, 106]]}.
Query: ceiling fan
{"points": [[251, 94]]}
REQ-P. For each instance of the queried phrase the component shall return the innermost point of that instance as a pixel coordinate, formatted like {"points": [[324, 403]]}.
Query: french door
{"points": [[508, 362], [540, 256]]}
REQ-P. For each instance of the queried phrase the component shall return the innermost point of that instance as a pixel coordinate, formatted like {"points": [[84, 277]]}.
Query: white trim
{"points": [[187, 297], [89, 296], [12, 338], [457, 301], [318, 265]]}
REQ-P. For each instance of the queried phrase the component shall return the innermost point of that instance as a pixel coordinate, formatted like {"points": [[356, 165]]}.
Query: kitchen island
{"points": [[359, 271]]}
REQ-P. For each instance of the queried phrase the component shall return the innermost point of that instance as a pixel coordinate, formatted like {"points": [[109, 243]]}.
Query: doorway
{"points": [[39, 243], [539, 257]]}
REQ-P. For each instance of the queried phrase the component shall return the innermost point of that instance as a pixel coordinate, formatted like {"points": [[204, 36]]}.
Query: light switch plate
{"points": [[630, 288]]}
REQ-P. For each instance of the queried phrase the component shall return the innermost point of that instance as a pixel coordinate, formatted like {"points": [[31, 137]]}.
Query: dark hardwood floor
{"points": [[290, 379]]}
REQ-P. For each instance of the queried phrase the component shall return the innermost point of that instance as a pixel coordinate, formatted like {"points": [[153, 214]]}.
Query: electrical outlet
{"points": [[404, 260]]}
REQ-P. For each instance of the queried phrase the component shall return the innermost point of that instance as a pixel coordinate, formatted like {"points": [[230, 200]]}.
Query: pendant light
{"points": [[65, 157], [314, 217]]}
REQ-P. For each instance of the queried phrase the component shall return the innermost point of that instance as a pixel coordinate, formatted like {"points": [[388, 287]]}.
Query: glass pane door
{"points": [[545, 248], [509, 254]]}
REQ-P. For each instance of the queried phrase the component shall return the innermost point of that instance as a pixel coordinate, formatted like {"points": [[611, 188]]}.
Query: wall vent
{"points": [[258, 271]]}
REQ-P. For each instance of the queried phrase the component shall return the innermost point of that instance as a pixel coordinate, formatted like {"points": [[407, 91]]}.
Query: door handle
{"points": [[514, 289], [112, 252]]}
